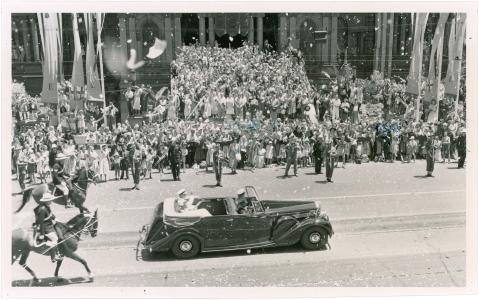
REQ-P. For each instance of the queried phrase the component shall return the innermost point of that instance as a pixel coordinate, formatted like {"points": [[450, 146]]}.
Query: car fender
{"points": [[317, 222], [293, 235], [282, 226], [166, 243]]}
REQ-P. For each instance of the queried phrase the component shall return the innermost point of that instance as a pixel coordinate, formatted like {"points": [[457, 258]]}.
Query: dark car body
{"points": [[216, 225]]}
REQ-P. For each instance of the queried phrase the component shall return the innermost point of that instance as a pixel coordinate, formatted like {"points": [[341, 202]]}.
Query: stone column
{"points": [[132, 31], [36, 48], [202, 30], [390, 43], [26, 40], [211, 31], [251, 29], [377, 41], [122, 27], [326, 45], [383, 41], [169, 46], [178, 39], [402, 36], [259, 31], [334, 38], [283, 31], [292, 31]]}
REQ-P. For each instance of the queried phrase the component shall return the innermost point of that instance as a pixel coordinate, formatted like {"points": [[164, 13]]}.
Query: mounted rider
{"points": [[45, 225], [60, 180]]}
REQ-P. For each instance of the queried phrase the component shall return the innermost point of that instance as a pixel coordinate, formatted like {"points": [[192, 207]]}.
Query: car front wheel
{"points": [[314, 238], [186, 246]]}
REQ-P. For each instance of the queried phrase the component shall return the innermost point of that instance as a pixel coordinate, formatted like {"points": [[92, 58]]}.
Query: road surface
{"points": [[393, 227]]}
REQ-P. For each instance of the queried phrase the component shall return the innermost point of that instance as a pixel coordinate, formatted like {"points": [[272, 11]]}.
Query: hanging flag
{"points": [[415, 69], [455, 48], [78, 77], [92, 79], [48, 27], [435, 62]]}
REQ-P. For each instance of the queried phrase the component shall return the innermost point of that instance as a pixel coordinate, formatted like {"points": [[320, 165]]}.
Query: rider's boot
{"points": [[55, 255], [68, 203]]}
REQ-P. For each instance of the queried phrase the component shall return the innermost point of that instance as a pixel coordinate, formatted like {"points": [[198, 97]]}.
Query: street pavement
{"points": [[393, 227]]}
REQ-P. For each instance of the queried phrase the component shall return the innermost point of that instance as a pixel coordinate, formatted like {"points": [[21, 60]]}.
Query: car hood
{"points": [[286, 207]]}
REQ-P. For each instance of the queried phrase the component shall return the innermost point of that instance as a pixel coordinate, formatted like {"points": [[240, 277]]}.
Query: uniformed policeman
{"points": [[430, 154], [292, 156], [218, 157], [330, 154], [45, 222]]}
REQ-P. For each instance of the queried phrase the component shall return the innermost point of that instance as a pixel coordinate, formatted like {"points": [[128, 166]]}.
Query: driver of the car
{"points": [[242, 202]]}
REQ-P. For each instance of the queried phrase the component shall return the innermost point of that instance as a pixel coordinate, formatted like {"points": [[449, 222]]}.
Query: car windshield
{"points": [[253, 197]]}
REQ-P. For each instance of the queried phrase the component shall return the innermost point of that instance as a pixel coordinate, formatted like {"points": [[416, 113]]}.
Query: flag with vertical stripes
{"points": [[415, 69], [92, 78], [50, 30], [435, 62], [455, 48], [78, 76]]}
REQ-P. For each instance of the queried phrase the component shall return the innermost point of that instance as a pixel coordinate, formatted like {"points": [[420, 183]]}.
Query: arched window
{"points": [[149, 32]]}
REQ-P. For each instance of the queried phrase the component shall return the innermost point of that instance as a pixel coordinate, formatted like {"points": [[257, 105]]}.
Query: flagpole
{"points": [[102, 76]]}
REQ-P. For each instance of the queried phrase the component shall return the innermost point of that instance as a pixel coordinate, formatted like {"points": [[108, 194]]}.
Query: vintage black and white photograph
{"points": [[206, 148]]}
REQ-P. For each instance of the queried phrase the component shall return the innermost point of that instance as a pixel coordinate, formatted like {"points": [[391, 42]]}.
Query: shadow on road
{"points": [[125, 189], [211, 186], [168, 256], [421, 176], [321, 181], [49, 282]]}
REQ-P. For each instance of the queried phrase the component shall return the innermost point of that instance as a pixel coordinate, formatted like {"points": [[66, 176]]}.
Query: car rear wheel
{"points": [[314, 238], [186, 246]]}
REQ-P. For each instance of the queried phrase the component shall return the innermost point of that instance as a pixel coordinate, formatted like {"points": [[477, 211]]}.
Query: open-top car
{"points": [[191, 225]]}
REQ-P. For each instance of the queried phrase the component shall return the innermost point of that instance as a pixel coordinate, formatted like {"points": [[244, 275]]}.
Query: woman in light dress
{"points": [[268, 156], [92, 159], [103, 162], [260, 157]]}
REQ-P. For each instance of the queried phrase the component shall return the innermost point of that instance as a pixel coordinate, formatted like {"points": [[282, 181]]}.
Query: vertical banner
{"points": [[415, 69], [456, 44], [48, 26], [92, 80], [78, 77], [435, 62]]}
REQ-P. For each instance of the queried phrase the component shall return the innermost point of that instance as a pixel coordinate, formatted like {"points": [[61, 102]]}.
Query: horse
{"points": [[25, 241], [77, 191]]}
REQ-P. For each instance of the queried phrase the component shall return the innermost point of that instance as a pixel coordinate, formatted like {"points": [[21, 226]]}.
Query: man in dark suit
{"points": [[318, 153], [461, 149], [174, 155]]}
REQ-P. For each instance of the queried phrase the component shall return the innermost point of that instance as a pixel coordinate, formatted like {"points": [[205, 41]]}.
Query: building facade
{"points": [[380, 41]]}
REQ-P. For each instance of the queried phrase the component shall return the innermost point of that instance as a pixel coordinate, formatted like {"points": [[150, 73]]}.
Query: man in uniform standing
{"points": [[291, 156], [330, 154], [430, 153], [461, 149], [318, 154], [135, 154], [174, 155], [218, 157]]}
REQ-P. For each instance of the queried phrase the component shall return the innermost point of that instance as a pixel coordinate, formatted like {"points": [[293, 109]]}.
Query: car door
{"points": [[219, 232], [252, 228]]}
